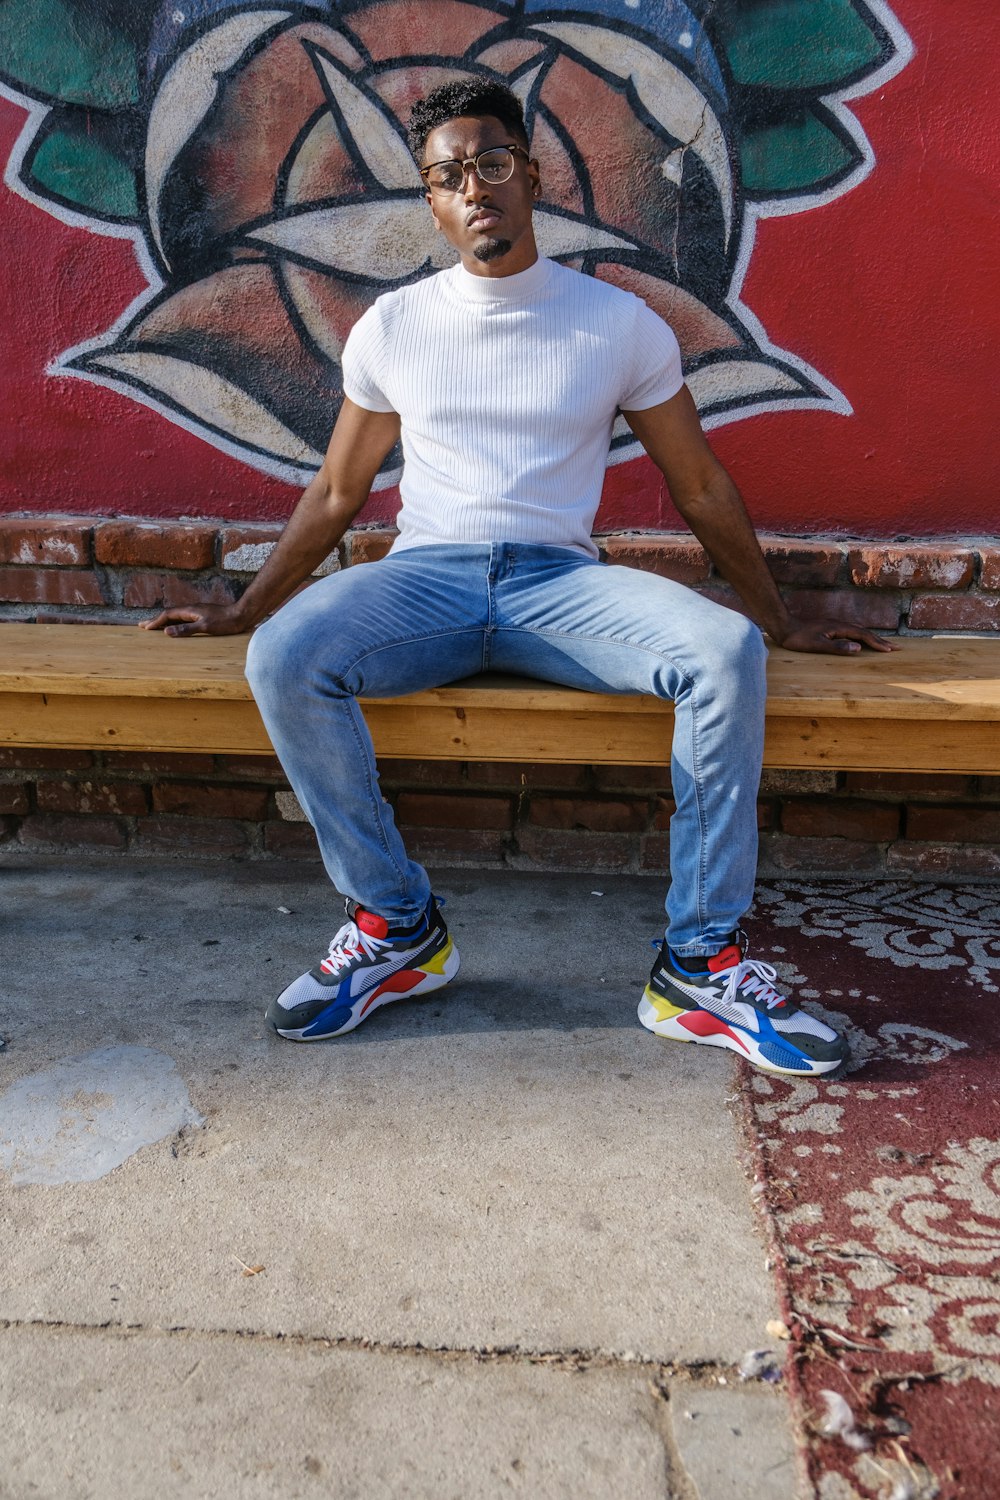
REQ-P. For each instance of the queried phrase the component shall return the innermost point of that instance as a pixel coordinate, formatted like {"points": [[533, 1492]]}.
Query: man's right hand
{"points": [[200, 619]]}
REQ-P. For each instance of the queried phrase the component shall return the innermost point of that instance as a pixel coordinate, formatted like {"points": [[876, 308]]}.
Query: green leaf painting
{"points": [[53, 49], [81, 170], [812, 45], [793, 157]]}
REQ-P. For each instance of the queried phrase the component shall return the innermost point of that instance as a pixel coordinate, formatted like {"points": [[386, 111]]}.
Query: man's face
{"points": [[489, 224]]}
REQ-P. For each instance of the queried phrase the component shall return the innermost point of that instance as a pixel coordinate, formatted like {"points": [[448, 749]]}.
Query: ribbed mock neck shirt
{"points": [[507, 389]]}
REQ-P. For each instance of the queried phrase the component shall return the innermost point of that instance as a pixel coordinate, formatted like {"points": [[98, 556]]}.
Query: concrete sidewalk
{"points": [[497, 1242]]}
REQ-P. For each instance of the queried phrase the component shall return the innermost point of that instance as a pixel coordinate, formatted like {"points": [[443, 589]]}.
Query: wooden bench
{"points": [[934, 705]]}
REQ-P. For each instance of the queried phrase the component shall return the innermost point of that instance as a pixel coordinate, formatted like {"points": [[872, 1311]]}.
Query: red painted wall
{"points": [[890, 291]]}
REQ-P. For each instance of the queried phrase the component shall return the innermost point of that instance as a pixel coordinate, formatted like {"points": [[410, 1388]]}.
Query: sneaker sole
{"points": [[714, 1032], [404, 984]]}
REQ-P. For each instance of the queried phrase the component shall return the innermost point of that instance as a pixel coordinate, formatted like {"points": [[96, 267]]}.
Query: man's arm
{"points": [[360, 441], [711, 505]]}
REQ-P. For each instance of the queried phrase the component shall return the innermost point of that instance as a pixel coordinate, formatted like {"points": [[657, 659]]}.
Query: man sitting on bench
{"points": [[504, 376]]}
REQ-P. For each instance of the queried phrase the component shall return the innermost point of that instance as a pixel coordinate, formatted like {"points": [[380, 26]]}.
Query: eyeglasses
{"points": [[492, 166]]}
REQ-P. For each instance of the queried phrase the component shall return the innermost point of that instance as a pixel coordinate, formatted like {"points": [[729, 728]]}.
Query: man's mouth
{"points": [[483, 218]]}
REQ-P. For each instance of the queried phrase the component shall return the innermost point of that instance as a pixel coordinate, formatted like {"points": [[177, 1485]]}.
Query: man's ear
{"points": [[429, 200], [534, 175]]}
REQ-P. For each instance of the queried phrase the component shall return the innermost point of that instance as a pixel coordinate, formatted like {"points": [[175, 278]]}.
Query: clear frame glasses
{"points": [[493, 166]]}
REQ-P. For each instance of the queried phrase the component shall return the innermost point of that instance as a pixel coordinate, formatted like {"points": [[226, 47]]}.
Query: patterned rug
{"points": [[882, 1191]]}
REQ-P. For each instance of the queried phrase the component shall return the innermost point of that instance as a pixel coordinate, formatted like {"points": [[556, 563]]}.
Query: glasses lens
{"points": [[447, 178], [495, 166]]}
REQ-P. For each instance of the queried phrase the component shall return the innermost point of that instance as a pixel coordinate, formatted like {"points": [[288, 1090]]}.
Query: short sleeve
{"points": [[363, 362], [652, 373]]}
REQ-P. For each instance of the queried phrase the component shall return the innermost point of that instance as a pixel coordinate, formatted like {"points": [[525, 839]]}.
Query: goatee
{"points": [[491, 249]]}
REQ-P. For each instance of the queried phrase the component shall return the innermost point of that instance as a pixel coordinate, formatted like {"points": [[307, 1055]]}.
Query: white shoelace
{"points": [[349, 944], [755, 979]]}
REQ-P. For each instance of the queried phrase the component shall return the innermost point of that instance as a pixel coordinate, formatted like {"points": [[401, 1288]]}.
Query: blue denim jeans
{"points": [[430, 615]]}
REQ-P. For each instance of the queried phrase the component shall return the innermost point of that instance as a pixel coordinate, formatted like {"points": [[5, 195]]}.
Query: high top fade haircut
{"points": [[465, 98]]}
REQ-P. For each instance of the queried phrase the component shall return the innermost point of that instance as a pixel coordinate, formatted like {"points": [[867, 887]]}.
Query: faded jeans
{"points": [[430, 615]]}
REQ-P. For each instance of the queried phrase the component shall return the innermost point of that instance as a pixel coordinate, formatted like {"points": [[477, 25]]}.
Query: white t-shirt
{"points": [[507, 389]]}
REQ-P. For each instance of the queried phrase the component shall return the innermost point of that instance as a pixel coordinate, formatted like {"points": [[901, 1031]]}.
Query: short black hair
{"points": [[475, 97]]}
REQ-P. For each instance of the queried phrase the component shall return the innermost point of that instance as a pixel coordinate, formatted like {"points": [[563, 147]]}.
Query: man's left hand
{"points": [[834, 637]]}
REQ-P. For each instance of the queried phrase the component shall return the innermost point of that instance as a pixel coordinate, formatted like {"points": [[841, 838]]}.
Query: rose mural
{"points": [[257, 155]]}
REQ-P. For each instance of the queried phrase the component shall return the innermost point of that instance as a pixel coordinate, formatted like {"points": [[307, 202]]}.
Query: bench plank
{"points": [[932, 705]]}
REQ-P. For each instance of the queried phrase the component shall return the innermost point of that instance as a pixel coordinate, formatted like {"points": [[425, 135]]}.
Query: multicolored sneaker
{"points": [[369, 964], [732, 1003]]}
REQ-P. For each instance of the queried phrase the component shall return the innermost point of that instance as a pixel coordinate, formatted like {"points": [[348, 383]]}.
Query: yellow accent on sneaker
{"points": [[436, 965], [664, 1009]]}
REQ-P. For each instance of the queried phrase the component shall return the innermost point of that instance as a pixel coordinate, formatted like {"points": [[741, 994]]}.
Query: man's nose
{"points": [[475, 190]]}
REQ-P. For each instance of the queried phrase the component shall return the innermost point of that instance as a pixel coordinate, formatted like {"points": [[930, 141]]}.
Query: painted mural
{"points": [[255, 156]]}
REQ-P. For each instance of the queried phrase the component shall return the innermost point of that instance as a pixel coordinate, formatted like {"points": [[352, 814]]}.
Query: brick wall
{"points": [[519, 816]]}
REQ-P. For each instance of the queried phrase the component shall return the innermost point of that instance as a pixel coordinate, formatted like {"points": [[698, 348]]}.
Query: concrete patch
{"points": [[79, 1119], [735, 1444]]}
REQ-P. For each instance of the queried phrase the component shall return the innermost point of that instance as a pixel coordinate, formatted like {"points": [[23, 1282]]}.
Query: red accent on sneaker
{"points": [[726, 958], [703, 1023], [396, 984], [369, 922]]}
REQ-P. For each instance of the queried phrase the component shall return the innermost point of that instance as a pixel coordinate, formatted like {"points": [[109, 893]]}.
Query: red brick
{"points": [[554, 849], [952, 861], [123, 798], [191, 835], [989, 577], [954, 825], [13, 798], [154, 763], [633, 778], [552, 776], [244, 549], [908, 783], [425, 810], [432, 773], [663, 810], [54, 544], [292, 840], [149, 544], [8, 829], [678, 557], [49, 586], [654, 852], [989, 786], [722, 594], [872, 822], [369, 546], [940, 612], [197, 799], [874, 611], [911, 567], [157, 590], [23, 759], [459, 846], [767, 815], [49, 830], [589, 814], [799, 564], [780, 853]]}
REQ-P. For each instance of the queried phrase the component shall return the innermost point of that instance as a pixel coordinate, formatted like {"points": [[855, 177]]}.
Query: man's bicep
{"points": [[359, 444], [672, 436]]}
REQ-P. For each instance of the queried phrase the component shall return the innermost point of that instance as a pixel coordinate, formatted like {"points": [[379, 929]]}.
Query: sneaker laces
{"points": [[755, 980], [350, 944]]}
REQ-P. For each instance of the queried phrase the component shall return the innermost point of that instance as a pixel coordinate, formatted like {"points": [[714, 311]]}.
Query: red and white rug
{"points": [[882, 1191]]}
